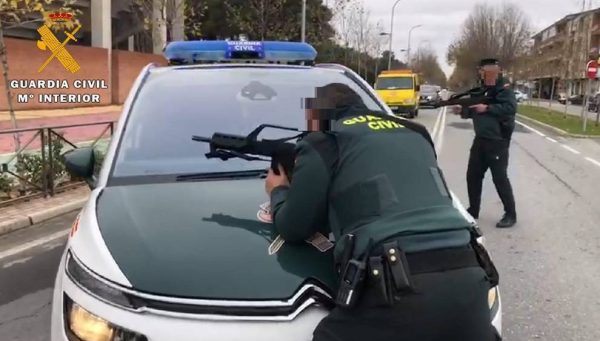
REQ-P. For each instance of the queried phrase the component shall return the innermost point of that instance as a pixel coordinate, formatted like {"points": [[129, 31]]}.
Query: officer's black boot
{"points": [[508, 220], [473, 213]]}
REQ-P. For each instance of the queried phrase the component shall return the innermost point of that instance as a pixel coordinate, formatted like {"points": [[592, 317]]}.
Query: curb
{"points": [[557, 130], [40, 216]]}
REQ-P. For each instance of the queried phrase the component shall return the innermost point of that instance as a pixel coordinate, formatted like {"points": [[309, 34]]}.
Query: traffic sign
{"points": [[592, 69]]}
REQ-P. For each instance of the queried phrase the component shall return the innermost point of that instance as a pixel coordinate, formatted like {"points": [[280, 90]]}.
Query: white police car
{"points": [[157, 254]]}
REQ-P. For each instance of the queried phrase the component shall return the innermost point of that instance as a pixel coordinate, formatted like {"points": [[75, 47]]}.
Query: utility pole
{"points": [[584, 113], [303, 21]]}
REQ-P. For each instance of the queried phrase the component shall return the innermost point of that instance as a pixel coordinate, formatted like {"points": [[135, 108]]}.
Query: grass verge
{"points": [[571, 124]]}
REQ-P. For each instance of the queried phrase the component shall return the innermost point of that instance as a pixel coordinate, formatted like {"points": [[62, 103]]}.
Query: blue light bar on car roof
{"points": [[222, 51]]}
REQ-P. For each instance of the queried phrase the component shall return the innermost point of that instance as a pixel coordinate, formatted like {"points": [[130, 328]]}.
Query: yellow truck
{"points": [[399, 89]]}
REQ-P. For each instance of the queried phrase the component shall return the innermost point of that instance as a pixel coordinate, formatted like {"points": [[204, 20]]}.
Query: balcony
{"points": [[557, 39]]}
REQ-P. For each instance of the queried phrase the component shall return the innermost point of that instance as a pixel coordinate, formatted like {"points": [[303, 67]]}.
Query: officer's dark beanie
{"points": [[489, 61]]}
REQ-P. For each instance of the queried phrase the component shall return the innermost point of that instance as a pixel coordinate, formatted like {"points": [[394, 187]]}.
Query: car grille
{"points": [[311, 293]]}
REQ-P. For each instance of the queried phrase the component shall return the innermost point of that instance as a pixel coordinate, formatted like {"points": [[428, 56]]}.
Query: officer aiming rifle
{"points": [[492, 107]]}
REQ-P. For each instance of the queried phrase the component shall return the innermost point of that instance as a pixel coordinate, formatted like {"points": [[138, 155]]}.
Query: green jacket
{"points": [[374, 176], [498, 122]]}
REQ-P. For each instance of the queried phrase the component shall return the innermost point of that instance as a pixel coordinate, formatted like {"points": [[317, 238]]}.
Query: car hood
{"points": [[203, 240]]}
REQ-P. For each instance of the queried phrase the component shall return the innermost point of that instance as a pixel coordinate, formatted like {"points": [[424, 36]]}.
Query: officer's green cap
{"points": [[489, 61]]}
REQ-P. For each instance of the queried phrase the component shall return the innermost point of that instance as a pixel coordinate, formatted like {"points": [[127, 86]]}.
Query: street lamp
{"points": [[381, 34], [409, 34], [391, 33]]}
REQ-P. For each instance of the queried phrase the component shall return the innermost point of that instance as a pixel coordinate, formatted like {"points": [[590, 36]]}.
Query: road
{"points": [[548, 262]]}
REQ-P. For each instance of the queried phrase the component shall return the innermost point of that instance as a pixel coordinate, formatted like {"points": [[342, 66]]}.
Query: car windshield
{"points": [[394, 83], [173, 105]]}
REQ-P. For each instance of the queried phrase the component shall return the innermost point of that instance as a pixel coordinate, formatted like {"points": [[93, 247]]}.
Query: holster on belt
{"points": [[397, 266], [389, 274]]}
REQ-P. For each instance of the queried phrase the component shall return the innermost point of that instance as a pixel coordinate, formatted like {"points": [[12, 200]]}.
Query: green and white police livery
{"points": [[169, 246]]}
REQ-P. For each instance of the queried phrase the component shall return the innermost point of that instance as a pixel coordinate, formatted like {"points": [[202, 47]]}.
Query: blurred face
{"points": [[489, 74], [312, 121]]}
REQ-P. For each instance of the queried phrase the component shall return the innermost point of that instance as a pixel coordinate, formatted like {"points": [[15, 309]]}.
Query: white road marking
{"points": [[437, 124], [570, 149], [574, 151], [17, 261], [532, 129], [440, 138], [593, 161], [32, 244]]}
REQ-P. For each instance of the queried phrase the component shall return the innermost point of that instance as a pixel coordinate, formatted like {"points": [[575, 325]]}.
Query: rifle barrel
{"points": [[201, 139]]}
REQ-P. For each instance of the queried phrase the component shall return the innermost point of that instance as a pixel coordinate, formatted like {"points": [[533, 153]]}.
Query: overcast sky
{"points": [[442, 20]]}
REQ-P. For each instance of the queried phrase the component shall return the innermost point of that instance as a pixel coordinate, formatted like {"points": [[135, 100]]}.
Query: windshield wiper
{"points": [[245, 174]]}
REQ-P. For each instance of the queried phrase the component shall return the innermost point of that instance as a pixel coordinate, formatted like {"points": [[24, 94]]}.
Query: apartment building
{"points": [[559, 54]]}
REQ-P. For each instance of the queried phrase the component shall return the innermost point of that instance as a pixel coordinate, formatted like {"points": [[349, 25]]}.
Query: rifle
{"points": [[227, 146], [476, 96]]}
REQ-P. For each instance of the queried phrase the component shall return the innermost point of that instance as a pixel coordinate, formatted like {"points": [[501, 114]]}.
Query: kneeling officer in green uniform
{"points": [[409, 265]]}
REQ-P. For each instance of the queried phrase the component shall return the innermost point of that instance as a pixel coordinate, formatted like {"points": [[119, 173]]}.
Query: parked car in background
{"points": [[576, 99], [521, 96], [594, 103], [429, 95], [562, 98]]}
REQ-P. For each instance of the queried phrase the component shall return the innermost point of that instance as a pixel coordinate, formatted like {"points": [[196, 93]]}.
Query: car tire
{"points": [[416, 113]]}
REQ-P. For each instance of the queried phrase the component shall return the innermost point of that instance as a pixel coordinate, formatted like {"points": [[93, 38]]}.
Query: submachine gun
{"points": [[227, 146]]}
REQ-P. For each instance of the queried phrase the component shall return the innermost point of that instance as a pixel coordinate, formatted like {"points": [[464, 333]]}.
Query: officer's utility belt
{"points": [[387, 270]]}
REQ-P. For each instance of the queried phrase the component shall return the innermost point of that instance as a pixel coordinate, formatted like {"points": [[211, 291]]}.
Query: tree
{"points": [[426, 63], [280, 19], [500, 32], [166, 19], [15, 13], [396, 64]]}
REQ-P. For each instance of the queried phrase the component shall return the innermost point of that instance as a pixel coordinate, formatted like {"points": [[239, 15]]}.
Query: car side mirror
{"points": [[80, 162]]}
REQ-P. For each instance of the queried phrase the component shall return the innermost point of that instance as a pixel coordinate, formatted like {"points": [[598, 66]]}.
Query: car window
{"points": [[173, 105], [394, 83]]}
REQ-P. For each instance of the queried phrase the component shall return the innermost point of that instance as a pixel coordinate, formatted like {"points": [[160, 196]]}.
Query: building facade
{"points": [[556, 62], [133, 25]]}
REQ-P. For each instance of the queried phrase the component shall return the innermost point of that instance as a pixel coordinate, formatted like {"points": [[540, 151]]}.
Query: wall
{"points": [[25, 58], [126, 68]]}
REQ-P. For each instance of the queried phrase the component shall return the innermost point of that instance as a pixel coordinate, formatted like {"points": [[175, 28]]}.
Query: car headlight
{"points": [[81, 325], [409, 101], [493, 301], [491, 297]]}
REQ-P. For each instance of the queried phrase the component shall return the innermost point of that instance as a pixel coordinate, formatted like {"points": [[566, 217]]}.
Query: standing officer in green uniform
{"points": [[409, 265], [494, 124]]}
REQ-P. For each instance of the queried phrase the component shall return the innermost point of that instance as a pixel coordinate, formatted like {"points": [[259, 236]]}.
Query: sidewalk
{"points": [[32, 212], [572, 109]]}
